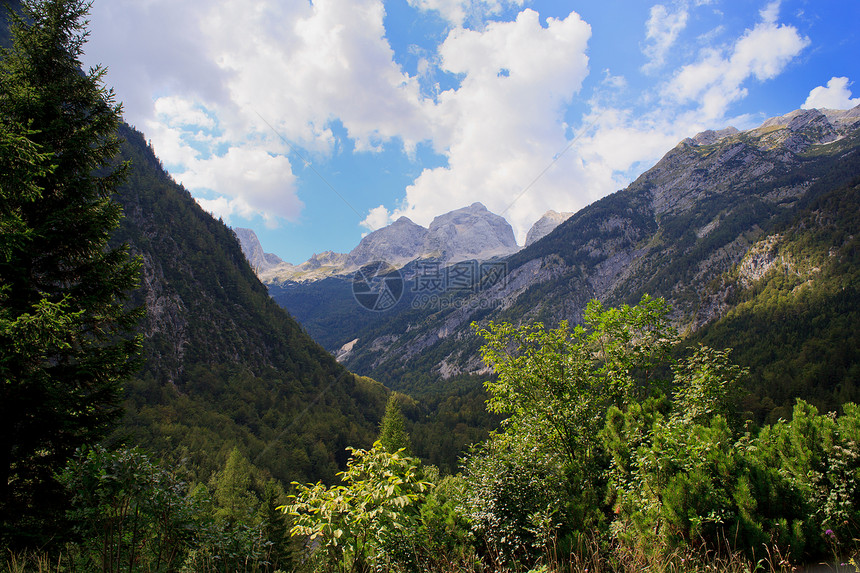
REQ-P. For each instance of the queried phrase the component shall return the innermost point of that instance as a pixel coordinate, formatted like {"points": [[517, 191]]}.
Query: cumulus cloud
{"points": [[717, 79], [504, 119], [377, 218], [661, 32], [835, 96], [243, 67]]}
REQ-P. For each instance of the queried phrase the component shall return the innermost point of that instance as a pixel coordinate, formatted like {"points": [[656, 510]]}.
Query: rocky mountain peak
{"points": [[399, 242], [718, 161], [253, 250], [709, 137], [843, 118], [471, 232], [545, 225], [324, 259]]}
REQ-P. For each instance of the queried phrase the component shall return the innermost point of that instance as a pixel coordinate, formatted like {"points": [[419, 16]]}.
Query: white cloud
{"points": [[221, 66], [717, 79], [661, 31], [263, 181], [835, 96], [182, 112], [224, 208], [377, 218], [503, 123], [770, 13]]}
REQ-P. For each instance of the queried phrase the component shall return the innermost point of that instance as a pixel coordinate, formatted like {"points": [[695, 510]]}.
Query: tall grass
{"points": [[588, 557]]}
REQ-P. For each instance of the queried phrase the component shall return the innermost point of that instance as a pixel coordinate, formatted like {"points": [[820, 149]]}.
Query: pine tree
{"points": [[64, 318], [392, 432], [232, 489]]}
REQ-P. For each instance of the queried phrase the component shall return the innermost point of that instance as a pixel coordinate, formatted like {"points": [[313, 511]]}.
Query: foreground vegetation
{"points": [[613, 457]]}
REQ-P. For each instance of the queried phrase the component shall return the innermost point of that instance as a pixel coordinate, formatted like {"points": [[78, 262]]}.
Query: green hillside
{"points": [[796, 327], [224, 365]]}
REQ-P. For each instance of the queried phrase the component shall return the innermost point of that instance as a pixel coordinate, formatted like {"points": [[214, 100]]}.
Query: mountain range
{"points": [[709, 210], [471, 232]]}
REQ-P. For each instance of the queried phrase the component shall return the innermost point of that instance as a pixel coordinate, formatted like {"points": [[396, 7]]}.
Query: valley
{"points": [[700, 229]]}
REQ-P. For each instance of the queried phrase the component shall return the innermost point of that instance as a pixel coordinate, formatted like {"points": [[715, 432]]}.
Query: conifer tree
{"points": [[64, 318], [232, 489], [392, 432]]}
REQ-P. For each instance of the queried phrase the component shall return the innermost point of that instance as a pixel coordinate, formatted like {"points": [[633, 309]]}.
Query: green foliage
{"points": [[560, 382], [234, 500], [443, 534], [587, 447], [392, 431], [64, 317], [361, 524], [674, 466], [706, 384], [129, 513], [681, 475], [519, 499], [542, 477]]}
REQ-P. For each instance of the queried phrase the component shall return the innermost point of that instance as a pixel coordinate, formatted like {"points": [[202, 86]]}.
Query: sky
{"points": [[316, 122]]}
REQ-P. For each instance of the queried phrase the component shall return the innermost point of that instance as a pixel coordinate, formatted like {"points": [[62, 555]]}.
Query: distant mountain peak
{"points": [[253, 250], [398, 243], [545, 225], [709, 137], [471, 232]]}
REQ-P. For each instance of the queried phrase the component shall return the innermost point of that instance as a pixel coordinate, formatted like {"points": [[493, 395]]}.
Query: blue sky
{"points": [[314, 123]]}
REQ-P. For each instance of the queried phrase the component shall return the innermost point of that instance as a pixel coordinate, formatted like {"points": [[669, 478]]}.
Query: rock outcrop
{"points": [[398, 243]]}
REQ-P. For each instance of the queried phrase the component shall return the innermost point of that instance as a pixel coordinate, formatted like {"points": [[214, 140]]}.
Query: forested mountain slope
{"points": [[675, 232], [794, 309], [224, 365]]}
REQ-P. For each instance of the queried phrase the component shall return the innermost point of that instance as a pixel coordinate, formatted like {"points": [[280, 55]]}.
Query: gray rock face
{"points": [[545, 225], [843, 119], [710, 136], [323, 259], [400, 242], [253, 250], [472, 232]]}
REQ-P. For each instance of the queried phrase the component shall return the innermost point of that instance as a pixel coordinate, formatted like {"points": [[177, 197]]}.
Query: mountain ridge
{"points": [[673, 232]]}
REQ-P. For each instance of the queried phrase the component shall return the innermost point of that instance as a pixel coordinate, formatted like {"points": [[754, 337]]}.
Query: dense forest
{"points": [[160, 412]]}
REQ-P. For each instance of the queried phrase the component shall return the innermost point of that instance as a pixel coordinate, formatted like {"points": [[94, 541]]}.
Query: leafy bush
{"points": [[363, 524]]}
